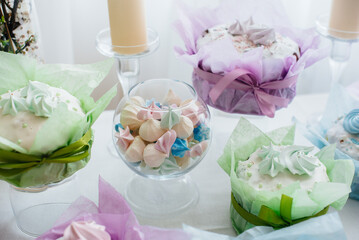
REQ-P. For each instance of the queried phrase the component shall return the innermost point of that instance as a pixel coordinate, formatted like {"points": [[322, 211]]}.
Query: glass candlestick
{"points": [[341, 46], [128, 65]]}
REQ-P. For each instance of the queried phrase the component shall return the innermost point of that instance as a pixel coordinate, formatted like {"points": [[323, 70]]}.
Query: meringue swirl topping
{"points": [[12, 105], [296, 159], [257, 33], [270, 164], [351, 122], [38, 98]]}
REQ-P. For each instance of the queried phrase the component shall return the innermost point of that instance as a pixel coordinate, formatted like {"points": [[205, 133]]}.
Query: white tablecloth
{"points": [[212, 211]]}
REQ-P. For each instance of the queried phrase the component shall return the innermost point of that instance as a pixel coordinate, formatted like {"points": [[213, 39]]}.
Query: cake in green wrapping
{"points": [[276, 183], [46, 114]]}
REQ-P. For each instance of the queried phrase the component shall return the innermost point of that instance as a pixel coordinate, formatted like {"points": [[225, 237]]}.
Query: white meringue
{"points": [[152, 157], [136, 100], [129, 117], [184, 128], [183, 161], [172, 98], [151, 130], [186, 102], [134, 152]]}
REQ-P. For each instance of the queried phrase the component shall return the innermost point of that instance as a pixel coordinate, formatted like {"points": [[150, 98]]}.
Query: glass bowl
{"points": [[161, 129]]}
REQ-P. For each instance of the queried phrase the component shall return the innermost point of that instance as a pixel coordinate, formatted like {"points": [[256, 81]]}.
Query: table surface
{"points": [[212, 211]]}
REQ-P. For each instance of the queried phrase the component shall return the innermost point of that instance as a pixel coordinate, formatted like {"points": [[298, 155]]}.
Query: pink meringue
{"points": [[144, 114], [165, 142], [199, 149], [124, 138], [151, 130], [153, 111], [134, 152], [192, 114], [184, 128], [192, 110], [172, 98], [152, 157], [84, 231], [129, 117]]}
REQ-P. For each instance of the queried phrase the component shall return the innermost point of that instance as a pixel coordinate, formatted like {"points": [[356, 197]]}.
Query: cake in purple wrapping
{"points": [[246, 58]]}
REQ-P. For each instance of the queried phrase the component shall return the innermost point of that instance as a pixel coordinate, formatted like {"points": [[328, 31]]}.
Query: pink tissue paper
{"points": [[244, 83], [114, 213]]}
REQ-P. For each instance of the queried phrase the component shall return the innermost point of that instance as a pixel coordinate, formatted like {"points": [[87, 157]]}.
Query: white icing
{"points": [[282, 47], [24, 126], [342, 139], [249, 171]]}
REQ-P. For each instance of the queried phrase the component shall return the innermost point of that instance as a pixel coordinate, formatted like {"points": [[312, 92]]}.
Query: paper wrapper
{"points": [[245, 140], [340, 102], [221, 58], [327, 227], [63, 127], [114, 213]]}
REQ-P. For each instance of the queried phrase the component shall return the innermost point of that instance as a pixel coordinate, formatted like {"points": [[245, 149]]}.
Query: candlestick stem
{"points": [[339, 57], [128, 71]]}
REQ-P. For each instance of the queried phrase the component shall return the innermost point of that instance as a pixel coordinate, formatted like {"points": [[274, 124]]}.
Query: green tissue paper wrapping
{"points": [[64, 127], [246, 139]]}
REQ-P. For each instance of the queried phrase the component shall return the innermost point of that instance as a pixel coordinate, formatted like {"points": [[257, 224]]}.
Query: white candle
{"points": [[128, 25], [344, 17]]}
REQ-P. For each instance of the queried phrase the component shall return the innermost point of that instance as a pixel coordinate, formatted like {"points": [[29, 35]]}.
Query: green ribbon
{"points": [[267, 217], [18, 162]]}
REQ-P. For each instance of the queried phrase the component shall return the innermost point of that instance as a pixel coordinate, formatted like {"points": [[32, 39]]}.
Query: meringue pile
{"points": [[274, 167], [249, 35], [151, 132]]}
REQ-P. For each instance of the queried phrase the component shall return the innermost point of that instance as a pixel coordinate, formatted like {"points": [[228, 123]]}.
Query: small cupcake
{"points": [[344, 133], [277, 183], [46, 118]]}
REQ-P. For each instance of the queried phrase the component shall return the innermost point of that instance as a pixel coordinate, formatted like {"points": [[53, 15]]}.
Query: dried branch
{"points": [[8, 5], [3, 13], [13, 16]]}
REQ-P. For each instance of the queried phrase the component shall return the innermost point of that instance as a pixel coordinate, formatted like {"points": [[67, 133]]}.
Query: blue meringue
{"points": [[179, 148], [351, 122], [118, 126], [201, 133]]}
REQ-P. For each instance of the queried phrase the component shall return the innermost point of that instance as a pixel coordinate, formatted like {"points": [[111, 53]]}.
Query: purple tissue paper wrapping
{"points": [[114, 213], [221, 58]]}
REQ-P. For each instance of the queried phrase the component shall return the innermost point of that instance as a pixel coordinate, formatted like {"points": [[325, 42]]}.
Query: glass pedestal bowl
{"points": [[161, 131], [36, 209]]}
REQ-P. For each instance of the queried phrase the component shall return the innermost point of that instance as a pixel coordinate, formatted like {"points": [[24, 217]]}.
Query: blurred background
{"points": [[68, 30]]}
